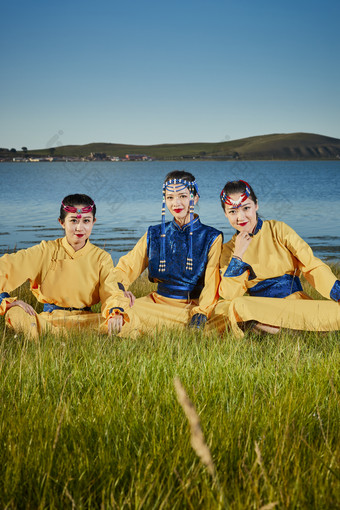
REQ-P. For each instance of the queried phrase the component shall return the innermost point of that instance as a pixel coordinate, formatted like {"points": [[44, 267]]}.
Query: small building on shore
{"points": [[98, 156], [137, 157]]}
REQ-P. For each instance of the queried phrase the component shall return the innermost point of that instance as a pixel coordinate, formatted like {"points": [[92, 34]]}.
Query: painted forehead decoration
{"points": [[80, 211], [173, 186], [236, 203]]}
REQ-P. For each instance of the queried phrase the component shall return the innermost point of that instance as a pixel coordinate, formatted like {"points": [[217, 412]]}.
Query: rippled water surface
{"points": [[306, 195]]}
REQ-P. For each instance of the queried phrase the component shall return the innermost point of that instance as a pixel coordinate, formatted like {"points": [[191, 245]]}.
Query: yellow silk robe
{"points": [[62, 276], [155, 310], [276, 250]]}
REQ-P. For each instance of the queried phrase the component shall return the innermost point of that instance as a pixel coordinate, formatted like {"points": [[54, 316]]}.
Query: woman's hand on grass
{"points": [[115, 324], [25, 306]]}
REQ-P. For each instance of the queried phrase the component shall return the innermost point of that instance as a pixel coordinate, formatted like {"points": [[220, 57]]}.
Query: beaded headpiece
{"points": [[79, 212], [236, 203], [174, 185]]}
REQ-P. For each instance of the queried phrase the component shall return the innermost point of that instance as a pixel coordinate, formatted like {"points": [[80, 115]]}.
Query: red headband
{"points": [[236, 203], [81, 211]]}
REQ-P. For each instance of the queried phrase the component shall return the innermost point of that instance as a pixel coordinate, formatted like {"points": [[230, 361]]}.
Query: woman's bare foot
{"points": [[266, 328]]}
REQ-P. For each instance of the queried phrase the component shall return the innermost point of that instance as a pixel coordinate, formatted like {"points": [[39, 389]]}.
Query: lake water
{"points": [[306, 195]]}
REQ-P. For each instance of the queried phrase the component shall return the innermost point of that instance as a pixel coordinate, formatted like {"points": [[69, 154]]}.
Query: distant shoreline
{"points": [[198, 160], [275, 147]]}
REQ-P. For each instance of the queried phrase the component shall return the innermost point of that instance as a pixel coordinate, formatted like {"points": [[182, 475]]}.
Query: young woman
{"points": [[182, 256], [68, 275], [265, 259]]}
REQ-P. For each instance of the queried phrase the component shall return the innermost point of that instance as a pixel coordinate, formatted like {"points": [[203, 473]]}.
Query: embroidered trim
{"points": [[279, 287], [198, 321], [50, 307], [237, 267], [258, 226], [116, 308], [335, 291], [3, 295], [256, 229]]}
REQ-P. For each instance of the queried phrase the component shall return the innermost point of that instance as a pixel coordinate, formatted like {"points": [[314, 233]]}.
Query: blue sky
{"points": [[149, 72]]}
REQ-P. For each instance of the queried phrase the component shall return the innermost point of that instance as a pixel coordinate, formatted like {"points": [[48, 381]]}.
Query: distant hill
{"points": [[292, 146]]}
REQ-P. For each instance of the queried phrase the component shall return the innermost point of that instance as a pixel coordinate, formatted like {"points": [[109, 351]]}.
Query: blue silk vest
{"points": [[177, 282]]}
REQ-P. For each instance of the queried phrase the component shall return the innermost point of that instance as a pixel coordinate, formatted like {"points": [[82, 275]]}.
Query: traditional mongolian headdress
{"points": [[174, 185], [79, 212], [236, 203]]}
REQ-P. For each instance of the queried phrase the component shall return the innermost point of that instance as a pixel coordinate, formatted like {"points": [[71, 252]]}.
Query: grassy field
{"points": [[93, 422]]}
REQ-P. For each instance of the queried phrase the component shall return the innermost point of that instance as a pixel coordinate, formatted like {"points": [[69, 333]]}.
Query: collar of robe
{"points": [[256, 229], [195, 222], [72, 252]]}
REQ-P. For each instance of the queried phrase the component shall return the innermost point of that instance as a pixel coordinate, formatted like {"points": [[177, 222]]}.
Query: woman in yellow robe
{"points": [[265, 259], [67, 275], [182, 256]]}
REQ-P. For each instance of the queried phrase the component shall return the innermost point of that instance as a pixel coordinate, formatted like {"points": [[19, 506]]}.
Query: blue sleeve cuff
{"points": [[335, 291], [121, 286], [116, 308], [3, 295], [198, 321], [237, 267]]}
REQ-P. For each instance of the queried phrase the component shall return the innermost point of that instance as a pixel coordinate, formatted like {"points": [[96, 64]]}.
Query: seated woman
{"points": [[182, 256], [68, 275], [264, 259]]}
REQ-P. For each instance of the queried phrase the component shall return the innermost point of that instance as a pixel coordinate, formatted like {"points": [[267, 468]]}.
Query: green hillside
{"points": [[290, 146]]}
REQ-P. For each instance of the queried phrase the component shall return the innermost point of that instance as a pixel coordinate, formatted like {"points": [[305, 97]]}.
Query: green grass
{"points": [[93, 422]]}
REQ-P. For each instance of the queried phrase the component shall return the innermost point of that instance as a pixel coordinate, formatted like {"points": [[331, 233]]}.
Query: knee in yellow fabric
{"points": [[19, 320]]}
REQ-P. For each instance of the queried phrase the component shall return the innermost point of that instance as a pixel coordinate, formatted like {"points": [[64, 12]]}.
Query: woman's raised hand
{"points": [[25, 306], [243, 239]]}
